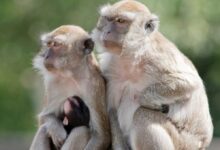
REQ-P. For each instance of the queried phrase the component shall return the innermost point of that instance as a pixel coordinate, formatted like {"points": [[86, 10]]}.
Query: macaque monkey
{"points": [[155, 96], [69, 69], [75, 114]]}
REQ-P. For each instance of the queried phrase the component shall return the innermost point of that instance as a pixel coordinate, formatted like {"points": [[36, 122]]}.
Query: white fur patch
{"points": [[104, 10], [60, 38], [44, 37], [127, 109], [128, 15], [38, 63]]}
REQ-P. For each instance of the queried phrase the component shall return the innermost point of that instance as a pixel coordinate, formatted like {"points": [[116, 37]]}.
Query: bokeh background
{"points": [[193, 25]]}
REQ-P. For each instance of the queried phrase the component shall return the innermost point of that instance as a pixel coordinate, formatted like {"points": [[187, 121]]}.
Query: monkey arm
{"points": [[118, 142], [55, 129], [99, 129], [175, 87], [41, 140]]}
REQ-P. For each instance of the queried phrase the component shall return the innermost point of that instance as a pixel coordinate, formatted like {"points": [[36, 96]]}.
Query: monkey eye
{"points": [[54, 44], [109, 19], [120, 20]]}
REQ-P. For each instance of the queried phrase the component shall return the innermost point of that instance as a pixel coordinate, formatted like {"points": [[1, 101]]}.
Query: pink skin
{"points": [[67, 108]]}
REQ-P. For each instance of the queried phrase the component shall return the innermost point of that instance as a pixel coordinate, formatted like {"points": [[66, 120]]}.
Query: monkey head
{"points": [[122, 23], [63, 49], [75, 113]]}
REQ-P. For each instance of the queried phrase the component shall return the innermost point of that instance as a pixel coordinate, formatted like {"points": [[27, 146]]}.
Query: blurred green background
{"points": [[193, 25]]}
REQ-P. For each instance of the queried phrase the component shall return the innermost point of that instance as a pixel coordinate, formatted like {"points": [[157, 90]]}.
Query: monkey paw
{"points": [[58, 136]]}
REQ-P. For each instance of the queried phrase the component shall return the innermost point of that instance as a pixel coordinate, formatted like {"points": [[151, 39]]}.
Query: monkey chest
{"points": [[125, 86], [126, 109]]}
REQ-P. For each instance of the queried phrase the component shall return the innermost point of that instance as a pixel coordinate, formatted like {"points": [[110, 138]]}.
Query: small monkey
{"points": [[75, 113], [69, 69], [155, 96]]}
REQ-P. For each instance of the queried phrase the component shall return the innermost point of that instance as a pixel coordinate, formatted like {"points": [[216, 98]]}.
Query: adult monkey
{"points": [[156, 98], [70, 69]]}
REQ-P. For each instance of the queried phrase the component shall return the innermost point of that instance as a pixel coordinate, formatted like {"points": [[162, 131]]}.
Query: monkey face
{"points": [[121, 20], [64, 48], [112, 31]]}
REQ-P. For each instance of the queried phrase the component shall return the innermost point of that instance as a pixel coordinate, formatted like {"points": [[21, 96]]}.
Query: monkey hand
{"points": [[57, 133], [147, 102], [164, 108]]}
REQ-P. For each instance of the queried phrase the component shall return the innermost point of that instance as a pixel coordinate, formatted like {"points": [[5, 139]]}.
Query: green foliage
{"points": [[194, 26]]}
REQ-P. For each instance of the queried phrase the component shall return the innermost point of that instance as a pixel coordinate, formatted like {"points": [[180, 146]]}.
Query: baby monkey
{"points": [[75, 114], [69, 69]]}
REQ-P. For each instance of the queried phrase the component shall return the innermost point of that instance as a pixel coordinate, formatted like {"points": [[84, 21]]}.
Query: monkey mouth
{"points": [[49, 65], [112, 46]]}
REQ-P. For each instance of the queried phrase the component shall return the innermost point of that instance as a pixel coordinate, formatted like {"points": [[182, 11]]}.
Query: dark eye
{"points": [[49, 44], [54, 44], [57, 44], [109, 19], [119, 20]]}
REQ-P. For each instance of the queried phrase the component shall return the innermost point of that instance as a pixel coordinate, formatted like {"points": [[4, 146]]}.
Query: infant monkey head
{"points": [[75, 113], [121, 19], [63, 49]]}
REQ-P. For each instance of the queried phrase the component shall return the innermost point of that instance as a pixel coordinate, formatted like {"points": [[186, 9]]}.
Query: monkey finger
{"points": [[58, 142]]}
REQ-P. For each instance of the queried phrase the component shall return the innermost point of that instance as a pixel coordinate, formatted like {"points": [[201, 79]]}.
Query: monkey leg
{"points": [[41, 140], [78, 139], [148, 132]]}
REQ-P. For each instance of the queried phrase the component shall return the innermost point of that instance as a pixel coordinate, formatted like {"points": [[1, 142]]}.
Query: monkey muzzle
{"points": [[48, 58]]}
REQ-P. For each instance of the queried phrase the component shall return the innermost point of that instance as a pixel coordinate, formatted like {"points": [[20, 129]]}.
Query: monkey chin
{"points": [[113, 47], [49, 66]]}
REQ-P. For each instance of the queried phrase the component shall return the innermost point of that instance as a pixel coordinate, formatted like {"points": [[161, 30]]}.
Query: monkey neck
{"points": [[82, 71], [60, 85]]}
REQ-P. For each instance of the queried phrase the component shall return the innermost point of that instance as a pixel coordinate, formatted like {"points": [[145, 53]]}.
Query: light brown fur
{"points": [[68, 71], [146, 74]]}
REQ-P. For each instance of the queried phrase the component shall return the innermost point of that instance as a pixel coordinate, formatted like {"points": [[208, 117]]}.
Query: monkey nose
{"points": [[48, 53]]}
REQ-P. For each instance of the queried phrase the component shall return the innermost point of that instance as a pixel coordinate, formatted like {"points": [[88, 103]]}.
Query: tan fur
{"points": [[148, 72], [130, 6], [73, 73]]}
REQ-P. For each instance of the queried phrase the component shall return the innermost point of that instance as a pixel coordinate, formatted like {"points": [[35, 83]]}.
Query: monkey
{"points": [[155, 97], [75, 113], [69, 68]]}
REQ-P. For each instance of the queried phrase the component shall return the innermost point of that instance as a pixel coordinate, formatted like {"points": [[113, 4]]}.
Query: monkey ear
{"points": [[88, 46], [152, 24]]}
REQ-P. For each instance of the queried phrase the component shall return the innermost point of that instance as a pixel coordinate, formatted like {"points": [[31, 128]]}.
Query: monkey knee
{"points": [[81, 131], [152, 137], [43, 129], [77, 139], [41, 140]]}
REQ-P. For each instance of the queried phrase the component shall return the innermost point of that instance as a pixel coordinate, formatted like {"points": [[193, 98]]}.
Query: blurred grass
{"points": [[193, 25]]}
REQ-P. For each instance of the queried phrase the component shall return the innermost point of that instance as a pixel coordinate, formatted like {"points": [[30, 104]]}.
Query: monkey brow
{"points": [[119, 16]]}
